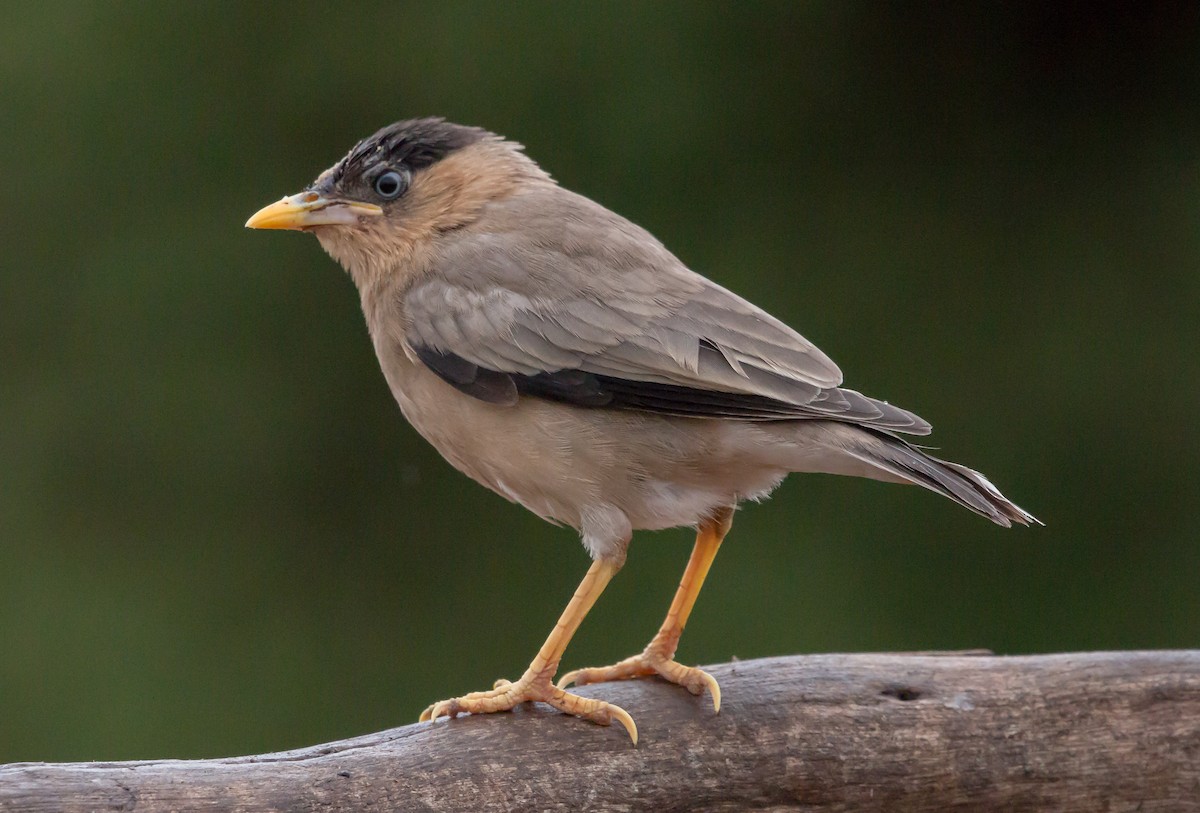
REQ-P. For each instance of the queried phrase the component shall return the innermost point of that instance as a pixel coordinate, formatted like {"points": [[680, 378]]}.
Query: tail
{"points": [[885, 454]]}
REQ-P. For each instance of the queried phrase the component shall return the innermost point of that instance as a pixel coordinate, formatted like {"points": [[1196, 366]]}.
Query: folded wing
{"points": [[608, 318]]}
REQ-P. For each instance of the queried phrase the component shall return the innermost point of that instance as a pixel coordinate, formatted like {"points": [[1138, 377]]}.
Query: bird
{"points": [[563, 357]]}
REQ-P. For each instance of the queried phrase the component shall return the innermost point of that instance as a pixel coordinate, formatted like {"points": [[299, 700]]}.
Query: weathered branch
{"points": [[1102, 731]]}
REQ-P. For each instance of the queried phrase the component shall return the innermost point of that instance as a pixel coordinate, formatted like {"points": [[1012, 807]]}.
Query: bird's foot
{"points": [[653, 661], [533, 686]]}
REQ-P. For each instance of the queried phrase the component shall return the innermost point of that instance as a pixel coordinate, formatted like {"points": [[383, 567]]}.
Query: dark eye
{"points": [[390, 185]]}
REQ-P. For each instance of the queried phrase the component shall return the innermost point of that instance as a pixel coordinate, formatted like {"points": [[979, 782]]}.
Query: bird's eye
{"points": [[390, 185]]}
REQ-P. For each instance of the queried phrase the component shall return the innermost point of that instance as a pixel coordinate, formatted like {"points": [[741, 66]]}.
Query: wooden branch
{"points": [[1099, 731]]}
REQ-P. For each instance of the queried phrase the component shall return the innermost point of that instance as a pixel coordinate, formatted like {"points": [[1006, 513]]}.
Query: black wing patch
{"points": [[478, 382], [585, 389]]}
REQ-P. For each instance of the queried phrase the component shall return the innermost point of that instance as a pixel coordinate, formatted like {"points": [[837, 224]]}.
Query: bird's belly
{"points": [[521, 453], [562, 462]]}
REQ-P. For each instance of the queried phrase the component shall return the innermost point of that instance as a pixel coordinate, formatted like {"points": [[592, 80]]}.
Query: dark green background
{"points": [[218, 535]]}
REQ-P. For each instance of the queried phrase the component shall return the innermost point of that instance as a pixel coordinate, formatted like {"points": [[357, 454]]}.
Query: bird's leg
{"points": [[656, 658], [537, 682]]}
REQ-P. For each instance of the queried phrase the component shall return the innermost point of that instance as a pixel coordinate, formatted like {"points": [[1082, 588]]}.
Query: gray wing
{"points": [[585, 307]]}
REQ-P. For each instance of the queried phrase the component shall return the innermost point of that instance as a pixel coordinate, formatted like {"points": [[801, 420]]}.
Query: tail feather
{"points": [[965, 486]]}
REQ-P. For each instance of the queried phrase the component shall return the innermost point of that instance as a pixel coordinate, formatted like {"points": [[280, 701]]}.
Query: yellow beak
{"points": [[309, 209]]}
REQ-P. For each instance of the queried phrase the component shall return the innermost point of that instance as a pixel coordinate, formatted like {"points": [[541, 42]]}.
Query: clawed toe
{"points": [[506, 695], [691, 678], [628, 668]]}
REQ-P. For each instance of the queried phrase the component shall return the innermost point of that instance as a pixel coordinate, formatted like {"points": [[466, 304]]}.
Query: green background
{"points": [[218, 535]]}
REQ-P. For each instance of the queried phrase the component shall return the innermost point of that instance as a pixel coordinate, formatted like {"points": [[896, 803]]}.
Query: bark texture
{"points": [[1109, 731]]}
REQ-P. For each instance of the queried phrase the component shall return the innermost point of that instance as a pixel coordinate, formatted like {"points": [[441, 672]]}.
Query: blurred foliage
{"points": [[218, 535]]}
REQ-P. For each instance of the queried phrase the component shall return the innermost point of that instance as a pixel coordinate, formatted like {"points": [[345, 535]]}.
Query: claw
{"points": [[442, 708], [696, 680], [567, 679], [433, 712], [714, 689], [624, 719]]}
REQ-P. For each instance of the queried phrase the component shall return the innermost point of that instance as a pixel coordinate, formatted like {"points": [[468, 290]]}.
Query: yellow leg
{"points": [[656, 658], [536, 683]]}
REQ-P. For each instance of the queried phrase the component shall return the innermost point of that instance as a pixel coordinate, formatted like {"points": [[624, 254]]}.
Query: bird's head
{"points": [[399, 189]]}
